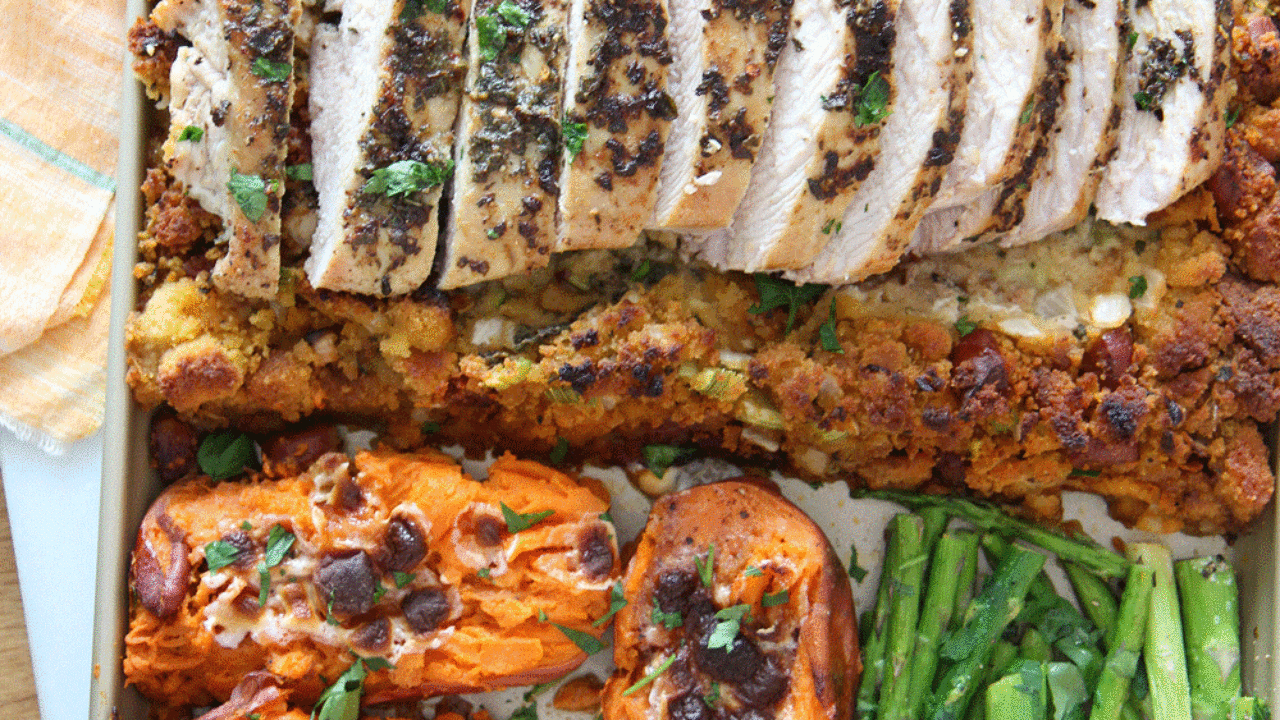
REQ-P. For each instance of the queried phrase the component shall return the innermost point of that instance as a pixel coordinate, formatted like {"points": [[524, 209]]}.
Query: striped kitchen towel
{"points": [[60, 83]]}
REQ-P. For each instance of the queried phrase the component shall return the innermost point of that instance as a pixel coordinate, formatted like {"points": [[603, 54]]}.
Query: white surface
{"points": [[53, 512]]}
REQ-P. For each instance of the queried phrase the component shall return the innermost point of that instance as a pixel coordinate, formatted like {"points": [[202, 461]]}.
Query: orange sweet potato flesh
{"points": [[794, 654], [468, 617]]}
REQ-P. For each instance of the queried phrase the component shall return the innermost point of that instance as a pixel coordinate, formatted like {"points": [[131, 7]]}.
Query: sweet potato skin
{"points": [[750, 526]]}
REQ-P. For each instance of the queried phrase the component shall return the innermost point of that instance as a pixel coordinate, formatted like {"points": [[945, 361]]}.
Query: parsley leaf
{"points": [[246, 526], [542, 615], [1233, 114], [856, 571], [707, 568], [402, 578], [873, 101], [776, 292], [778, 598], [268, 69], [301, 171], [375, 663], [250, 193], [1137, 286], [753, 571], [517, 521], [191, 133], [558, 453], [1142, 100], [1027, 109], [586, 642], [406, 176], [1132, 39], [491, 35], [964, 325], [378, 592], [670, 620], [1077, 472], [513, 14], [341, 700], [827, 333], [712, 697], [224, 454], [527, 712], [415, 8], [535, 691], [606, 517], [575, 135], [727, 629], [220, 554], [641, 272], [616, 602], [651, 676], [659, 458], [484, 572], [279, 541]]}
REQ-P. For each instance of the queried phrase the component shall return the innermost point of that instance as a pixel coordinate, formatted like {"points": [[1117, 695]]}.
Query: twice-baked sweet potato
{"points": [[460, 585], [736, 608]]}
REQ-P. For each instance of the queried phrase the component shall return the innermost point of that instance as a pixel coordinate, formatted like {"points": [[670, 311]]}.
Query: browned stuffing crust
{"points": [[1160, 415]]}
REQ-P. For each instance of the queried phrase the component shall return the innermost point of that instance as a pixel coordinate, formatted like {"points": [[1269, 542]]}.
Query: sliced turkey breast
{"points": [[931, 67], [721, 80], [1172, 123], [617, 115], [1002, 205], [1084, 135], [1010, 42], [385, 85], [834, 89], [503, 212], [231, 90]]}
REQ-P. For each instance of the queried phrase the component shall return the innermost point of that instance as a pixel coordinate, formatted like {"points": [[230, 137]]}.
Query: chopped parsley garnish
{"points": [[513, 14], [558, 453], [753, 571], [328, 609], [191, 133], [651, 676], [640, 273], [659, 458], [831, 225], [246, 526], [1142, 100], [224, 454], [772, 599], [776, 292], [616, 602], [537, 690], [575, 134], [492, 234], [1077, 472], [1137, 286], [827, 333], [1025, 117], [1233, 114], [219, 554], [542, 615], [707, 568], [527, 712], [341, 700], [606, 517], [378, 592], [1132, 39], [712, 697], [964, 325], [301, 171], [430, 428], [402, 578], [484, 572], [856, 571], [279, 541], [727, 629], [250, 193], [268, 69], [522, 521], [670, 620], [492, 36], [586, 642], [873, 101], [414, 8], [406, 176]]}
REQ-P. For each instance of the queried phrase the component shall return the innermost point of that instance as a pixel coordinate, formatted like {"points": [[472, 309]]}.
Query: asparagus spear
{"points": [[1095, 597], [1034, 646], [953, 552], [989, 518], [1002, 657], [873, 646], [985, 620], [1020, 694], [935, 522], [1123, 644], [904, 604], [1166, 657], [1249, 708], [1211, 620], [965, 590]]}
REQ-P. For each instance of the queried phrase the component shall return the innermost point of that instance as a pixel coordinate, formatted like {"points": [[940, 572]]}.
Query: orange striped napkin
{"points": [[60, 82]]}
